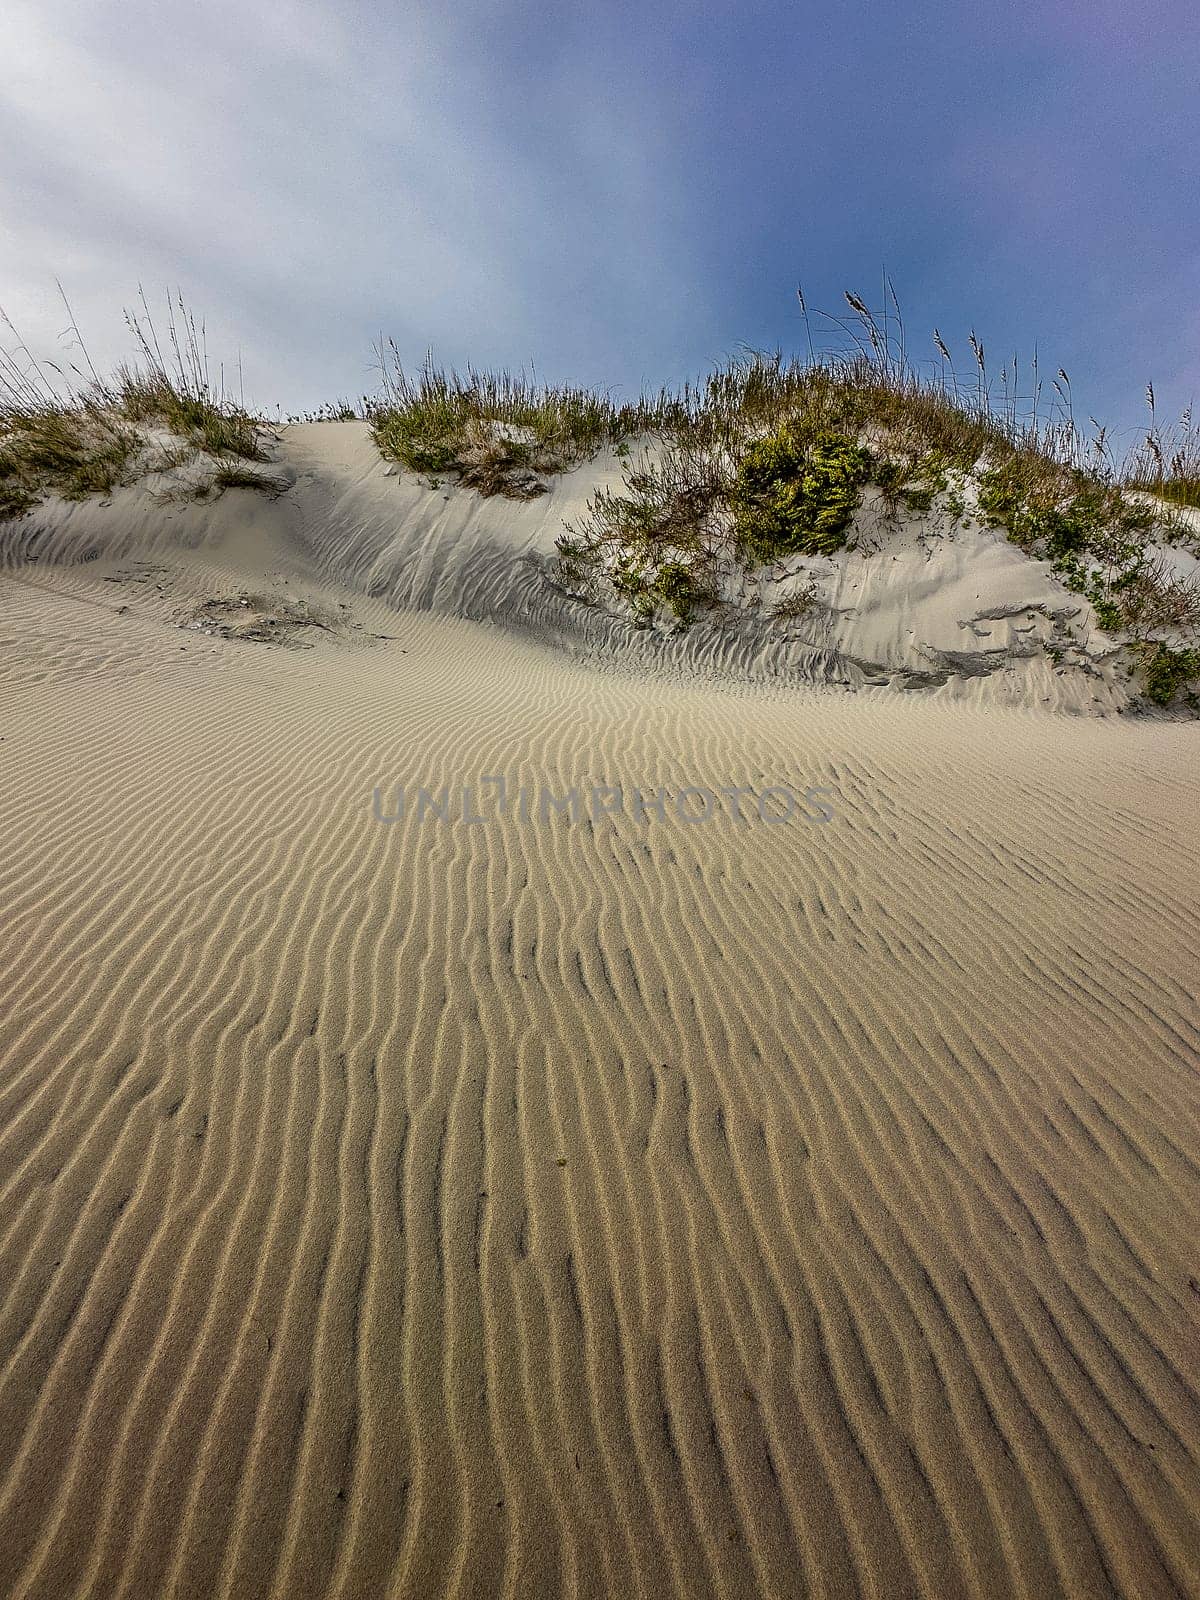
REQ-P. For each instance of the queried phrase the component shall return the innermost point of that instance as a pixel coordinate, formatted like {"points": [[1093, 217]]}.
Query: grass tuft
{"points": [[498, 433], [1166, 463], [74, 451], [65, 431], [216, 427]]}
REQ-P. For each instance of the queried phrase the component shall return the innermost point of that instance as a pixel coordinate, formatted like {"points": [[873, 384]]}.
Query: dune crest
{"points": [[959, 613]]}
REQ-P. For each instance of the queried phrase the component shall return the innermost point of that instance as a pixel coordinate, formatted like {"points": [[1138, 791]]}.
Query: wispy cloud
{"points": [[312, 180], [616, 199]]}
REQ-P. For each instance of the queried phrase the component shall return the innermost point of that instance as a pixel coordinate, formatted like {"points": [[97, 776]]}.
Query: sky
{"points": [[617, 194]]}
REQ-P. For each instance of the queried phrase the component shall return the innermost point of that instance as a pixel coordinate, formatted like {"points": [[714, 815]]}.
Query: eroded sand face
{"points": [[609, 1207]]}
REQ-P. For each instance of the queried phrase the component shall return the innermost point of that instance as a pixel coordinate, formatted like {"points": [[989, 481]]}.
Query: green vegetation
{"points": [[499, 434], [768, 461], [678, 585], [1177, 491], [791, 495], [918, 485], [1167, 461], [341, 410], [1166, 672], [730, 487], [218, 428], [1059, 512], [71, 434], [1100, 541], [74, 451], [645, 586]]}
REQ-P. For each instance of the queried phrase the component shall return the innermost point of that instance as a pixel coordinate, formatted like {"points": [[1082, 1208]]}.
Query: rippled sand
{"points": [[613, 1207]]}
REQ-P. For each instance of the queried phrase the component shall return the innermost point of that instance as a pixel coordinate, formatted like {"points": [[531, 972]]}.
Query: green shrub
{"points": [[1165, 672], [915, 482], [677, 585], [644, 605], [629, 577], [1092, 533], [1055, 511], [794, 496]]}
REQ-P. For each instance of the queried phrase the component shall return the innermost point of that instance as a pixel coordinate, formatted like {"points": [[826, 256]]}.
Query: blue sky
{"points": [[620, 194]]}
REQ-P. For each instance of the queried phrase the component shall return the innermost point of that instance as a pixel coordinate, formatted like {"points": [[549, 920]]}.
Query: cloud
{"points": [[618, 198], [314, 176]]}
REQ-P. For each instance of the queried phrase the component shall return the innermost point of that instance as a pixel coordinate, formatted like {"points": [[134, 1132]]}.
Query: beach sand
{"points": [[602, 1207]]}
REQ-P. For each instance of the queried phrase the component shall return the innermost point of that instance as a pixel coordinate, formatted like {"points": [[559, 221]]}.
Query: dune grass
{"points": [[66, 431], [497, 433], [764, 460], [72, 450], [1166, 462], [217, 427], [768, 458], [1178, 491]]}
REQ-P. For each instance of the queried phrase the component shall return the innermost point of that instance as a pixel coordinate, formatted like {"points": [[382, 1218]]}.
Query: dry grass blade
{"points": [[70, 433]]}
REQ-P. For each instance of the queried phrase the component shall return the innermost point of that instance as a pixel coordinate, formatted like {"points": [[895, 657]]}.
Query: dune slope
{"points": [[602, 1206]]}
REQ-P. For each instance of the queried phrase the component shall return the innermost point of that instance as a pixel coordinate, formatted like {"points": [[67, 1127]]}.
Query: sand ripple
{"points": [[616, 1209]]}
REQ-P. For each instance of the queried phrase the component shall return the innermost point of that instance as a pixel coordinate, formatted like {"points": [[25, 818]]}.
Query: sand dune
{"points": [[593, 1207]]}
